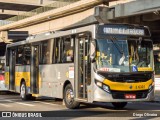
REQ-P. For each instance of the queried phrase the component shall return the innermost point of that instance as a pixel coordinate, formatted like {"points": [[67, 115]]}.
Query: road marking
{"points": [[19, 103], [24, 104], [5, 105], [8, 99], [12, 100], [45, 103]]}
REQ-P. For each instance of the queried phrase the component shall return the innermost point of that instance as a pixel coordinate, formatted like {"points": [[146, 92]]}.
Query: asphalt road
{"points": [[46, 107]]}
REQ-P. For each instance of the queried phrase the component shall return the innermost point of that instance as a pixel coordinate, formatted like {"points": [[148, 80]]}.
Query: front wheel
{"points": [[69, 98], [119, 105], [23, 92]]}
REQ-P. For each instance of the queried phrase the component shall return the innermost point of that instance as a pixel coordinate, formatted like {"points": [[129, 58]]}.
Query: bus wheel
{"points": [[23, 93], [69, 98], [119, 105]]}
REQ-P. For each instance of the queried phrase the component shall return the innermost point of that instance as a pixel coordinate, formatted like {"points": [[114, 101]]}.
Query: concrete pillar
{"points": [[40, 2]]}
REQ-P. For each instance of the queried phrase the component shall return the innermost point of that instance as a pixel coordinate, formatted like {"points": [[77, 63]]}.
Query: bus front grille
{"points": [[121, 94], [127, 77]]}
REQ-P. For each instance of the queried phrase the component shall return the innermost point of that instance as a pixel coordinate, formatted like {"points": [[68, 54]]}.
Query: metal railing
{"points": [[57, 4]]}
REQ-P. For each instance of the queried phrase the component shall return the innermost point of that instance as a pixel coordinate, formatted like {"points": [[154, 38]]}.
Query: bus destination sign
{"points": [[124, 31]]}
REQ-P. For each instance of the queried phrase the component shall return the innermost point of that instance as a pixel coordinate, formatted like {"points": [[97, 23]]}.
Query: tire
{"points": [[69, 98], [23, 92], [119, 105]]}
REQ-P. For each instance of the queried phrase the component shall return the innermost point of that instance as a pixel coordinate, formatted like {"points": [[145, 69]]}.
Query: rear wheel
{"points": [[119, 105], [23, 92], [69, 98]]}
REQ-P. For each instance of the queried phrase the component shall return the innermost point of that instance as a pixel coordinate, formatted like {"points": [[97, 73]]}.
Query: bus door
{"points": [[34, 84], [82, 69], [12, 62]]}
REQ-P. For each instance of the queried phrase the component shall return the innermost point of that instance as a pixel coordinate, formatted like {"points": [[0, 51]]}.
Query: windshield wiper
{"points": [[120, 50]]}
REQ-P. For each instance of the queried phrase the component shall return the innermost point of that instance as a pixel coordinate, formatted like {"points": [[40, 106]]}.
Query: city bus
{"points": [[2, 81], [156, 53], [2, 66], [95, 63]]}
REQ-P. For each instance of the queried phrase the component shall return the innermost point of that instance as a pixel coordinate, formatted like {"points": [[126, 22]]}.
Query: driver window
{"points": [[133, 50], [67, 54], [139, 53]]}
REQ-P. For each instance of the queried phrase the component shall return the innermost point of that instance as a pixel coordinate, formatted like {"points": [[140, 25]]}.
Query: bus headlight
{"points": [[102, 86], [99, 84], [150, 88], [106, 88]]}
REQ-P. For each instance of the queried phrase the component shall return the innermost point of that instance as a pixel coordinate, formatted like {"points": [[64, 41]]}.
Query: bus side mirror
{"points": [[93, 51]]}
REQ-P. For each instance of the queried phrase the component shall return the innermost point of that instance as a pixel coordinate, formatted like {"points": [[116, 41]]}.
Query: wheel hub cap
{"points": [[69, 96]]}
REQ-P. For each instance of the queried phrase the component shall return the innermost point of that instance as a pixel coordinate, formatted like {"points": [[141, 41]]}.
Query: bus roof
{"points": [[55, 34], [52, 34]]}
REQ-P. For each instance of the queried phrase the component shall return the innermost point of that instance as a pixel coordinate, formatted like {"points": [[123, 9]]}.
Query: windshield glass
{"points": [[140, 53], [123, 55], [112, 55]]}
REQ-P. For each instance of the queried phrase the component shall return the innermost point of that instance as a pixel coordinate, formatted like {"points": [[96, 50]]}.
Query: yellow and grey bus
{"points": [[2, 65], [94, 63]]}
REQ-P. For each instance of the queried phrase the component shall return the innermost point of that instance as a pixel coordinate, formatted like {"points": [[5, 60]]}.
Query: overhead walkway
{"points": [[40, 21], [11, 8], [57, 4], [75, 13], [30, 18]]}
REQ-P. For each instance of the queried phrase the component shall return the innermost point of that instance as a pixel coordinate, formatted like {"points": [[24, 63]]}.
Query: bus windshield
{"points": [[122, 55], [141, 54]]}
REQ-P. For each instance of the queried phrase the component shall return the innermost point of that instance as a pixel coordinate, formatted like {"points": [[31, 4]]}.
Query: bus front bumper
{"points": [[103, 96]]}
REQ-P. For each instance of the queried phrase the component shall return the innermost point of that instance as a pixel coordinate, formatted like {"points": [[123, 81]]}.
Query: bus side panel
{"points": [[7, 77], [22, 73], [53, 78]]}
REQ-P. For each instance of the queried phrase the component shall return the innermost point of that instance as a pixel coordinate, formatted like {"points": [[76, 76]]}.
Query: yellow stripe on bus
{"points": [[145, 69], [22, 75], [128, 86], [19, 76], [35, 95], [7, 78]]}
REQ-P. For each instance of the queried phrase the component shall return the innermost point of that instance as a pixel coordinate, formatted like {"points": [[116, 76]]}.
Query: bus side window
{"points": [[46, 52], [56, 50], [19, 58], [67, 54], [27, 54], [63, 50], [7, 57]]}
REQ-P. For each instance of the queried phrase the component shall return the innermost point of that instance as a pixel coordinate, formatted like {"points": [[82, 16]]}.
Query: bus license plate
{"points": [[130, 96]]}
